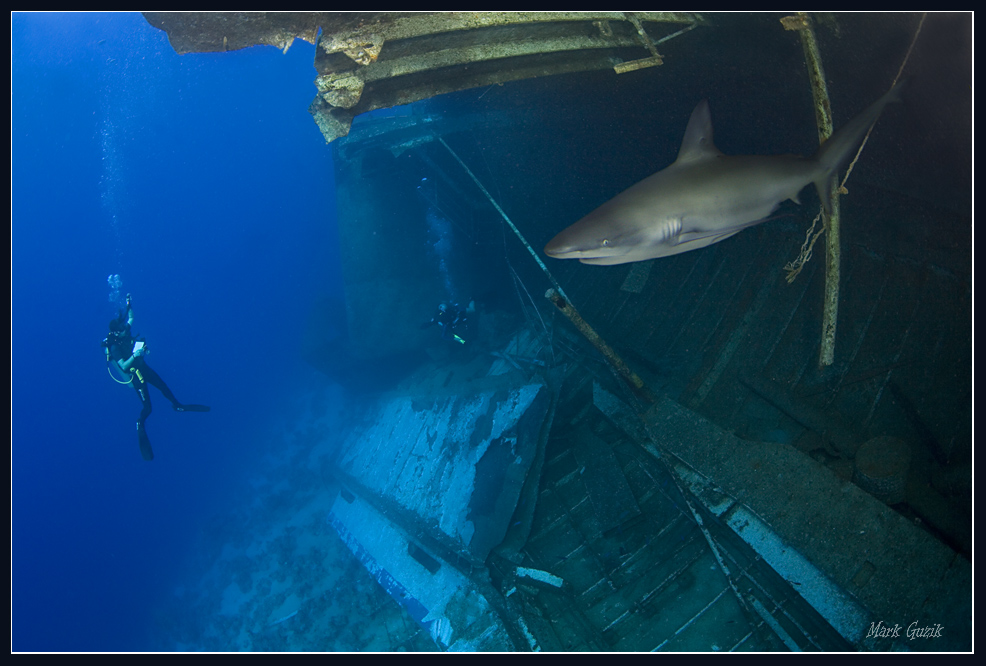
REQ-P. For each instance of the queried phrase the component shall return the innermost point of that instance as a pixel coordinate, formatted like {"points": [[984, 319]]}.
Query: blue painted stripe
{"points": [[392, 586]]}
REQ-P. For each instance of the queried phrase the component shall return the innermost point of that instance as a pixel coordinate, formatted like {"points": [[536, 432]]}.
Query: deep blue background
{"points": [[202, 180]]}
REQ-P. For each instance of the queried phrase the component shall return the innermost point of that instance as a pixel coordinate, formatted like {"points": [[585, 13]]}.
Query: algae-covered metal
{"points": [[373, 60]]}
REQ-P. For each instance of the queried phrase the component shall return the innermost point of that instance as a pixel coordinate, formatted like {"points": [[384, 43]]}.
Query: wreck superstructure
{"points": [[513, 493]]}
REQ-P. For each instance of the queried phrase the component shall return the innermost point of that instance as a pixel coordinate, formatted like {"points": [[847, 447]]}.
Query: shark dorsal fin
{"points": [[697, 144]]}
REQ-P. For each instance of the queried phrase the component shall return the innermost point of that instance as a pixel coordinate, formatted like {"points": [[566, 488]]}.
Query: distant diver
{"points": [[127, 356], [453, 320]]}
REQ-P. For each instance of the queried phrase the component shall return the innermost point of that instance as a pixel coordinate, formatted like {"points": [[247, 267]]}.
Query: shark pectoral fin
{"points": [[697, 242], [606, 261], [711, 236], [696, 239]]}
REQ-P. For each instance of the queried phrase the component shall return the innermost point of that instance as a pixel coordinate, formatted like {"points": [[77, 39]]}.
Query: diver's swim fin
{"points": [[192, 408], [145, 444]]}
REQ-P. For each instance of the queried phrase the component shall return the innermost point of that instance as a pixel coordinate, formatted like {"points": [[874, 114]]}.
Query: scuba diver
{"points": [[451, 318], [127, 355]]}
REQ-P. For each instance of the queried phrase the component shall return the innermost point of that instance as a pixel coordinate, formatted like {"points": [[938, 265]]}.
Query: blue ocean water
{"points": [[202, 182]]}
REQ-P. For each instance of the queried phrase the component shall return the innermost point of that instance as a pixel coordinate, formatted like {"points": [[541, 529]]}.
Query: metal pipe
{"points": [[558, 296], [632, 380], [513, 227], [823, 116]]}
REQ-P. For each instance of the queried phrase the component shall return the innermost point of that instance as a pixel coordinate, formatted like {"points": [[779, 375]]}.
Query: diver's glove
{"points": [[139, 352]]}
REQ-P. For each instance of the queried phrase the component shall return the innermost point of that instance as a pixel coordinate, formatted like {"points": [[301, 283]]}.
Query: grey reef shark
{"points": [[704, 196]]}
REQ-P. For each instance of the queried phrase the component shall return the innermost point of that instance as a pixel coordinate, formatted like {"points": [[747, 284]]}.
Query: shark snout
{"points": [[561, 247], [557, 248], [581, 241]]}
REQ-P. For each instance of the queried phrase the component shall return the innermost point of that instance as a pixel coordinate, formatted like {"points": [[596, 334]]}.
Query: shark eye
{"points": [[605, 242]]}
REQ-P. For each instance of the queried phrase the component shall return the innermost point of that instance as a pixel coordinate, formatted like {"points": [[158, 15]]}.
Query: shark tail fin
{"points": [[824, 186], [836, 151]]}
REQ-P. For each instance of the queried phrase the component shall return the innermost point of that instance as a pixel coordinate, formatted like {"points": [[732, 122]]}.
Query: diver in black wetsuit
{"points": [[127, 354], [452, 320]]}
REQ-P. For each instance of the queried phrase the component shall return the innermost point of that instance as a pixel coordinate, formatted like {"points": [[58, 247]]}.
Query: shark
{"points": [[705, 196]]}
